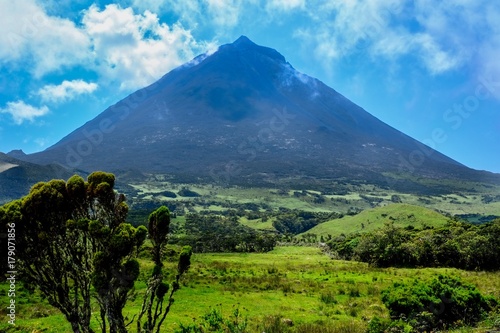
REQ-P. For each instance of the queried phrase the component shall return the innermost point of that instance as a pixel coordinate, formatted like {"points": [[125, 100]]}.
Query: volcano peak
{"points": [[237, 114], [243, 41]]}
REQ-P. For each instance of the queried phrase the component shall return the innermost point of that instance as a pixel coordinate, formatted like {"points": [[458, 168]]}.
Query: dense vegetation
{"points": [[216, 233], [295, 221], [292, 283], [441, 303], [119, 277], [72, 244], [458, 244]]}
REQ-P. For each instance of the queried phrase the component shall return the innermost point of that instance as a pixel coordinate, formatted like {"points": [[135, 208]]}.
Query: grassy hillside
{"points": [[371, 219], [327, 197], [299, 283]]}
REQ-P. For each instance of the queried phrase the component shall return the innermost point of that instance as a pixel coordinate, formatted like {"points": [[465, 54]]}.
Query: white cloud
{"points": [[135, 50], [434, 57], [130, 49], [29, 37], [66, 91], [443, 36], [224, 12], [21, 111]]}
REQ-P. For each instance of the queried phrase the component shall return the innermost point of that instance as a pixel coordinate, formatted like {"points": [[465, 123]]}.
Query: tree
{"points": [[215, 233], [72, 236], [294, 223], [158, 227], [53, 255], [387, 247]]}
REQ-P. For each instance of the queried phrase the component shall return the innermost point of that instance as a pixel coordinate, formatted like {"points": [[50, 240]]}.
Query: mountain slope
{"points": [[245, 115], [16, 176]]}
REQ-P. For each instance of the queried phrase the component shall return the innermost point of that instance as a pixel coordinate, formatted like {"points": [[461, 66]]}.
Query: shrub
{"points": [[446, 300], [273, 324], [214, 321], [328, 298], [378, 325]]}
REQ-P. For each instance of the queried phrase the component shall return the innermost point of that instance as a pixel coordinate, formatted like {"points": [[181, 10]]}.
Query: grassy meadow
{"points": [[295, 282], [299, 283], [371, 219], [470, 199]]}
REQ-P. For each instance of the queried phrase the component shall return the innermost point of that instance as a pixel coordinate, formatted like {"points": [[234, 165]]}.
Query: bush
{"points": [[378, 325], [273, 324], [328, 298], [214, 321], [445, 301]]}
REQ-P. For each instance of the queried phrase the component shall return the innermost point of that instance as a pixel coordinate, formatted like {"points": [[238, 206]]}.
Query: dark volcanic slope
{"points": [[241, 113], [16, 176]]}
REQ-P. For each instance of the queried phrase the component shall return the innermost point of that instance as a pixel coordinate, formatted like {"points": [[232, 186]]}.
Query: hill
{"points": [[16, 176], [372, 219], [244, 115]]}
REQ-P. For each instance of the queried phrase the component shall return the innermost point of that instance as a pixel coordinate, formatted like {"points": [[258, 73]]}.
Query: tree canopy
{"points": [[74, 245]]}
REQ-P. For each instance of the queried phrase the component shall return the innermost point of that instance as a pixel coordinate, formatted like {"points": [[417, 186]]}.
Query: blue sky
{"points": [[428, 68]]}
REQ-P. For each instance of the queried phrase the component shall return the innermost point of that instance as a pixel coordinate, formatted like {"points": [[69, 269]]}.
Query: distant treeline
{"points": [[215, 233], [460, 245], [295, 222]]}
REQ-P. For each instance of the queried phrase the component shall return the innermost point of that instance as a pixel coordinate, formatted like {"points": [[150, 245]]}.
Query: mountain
{"points": [[244, 115], [16, 176]]}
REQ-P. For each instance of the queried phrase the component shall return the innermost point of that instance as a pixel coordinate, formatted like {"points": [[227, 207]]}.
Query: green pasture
{"points": [[300, 283], [372, 219]]}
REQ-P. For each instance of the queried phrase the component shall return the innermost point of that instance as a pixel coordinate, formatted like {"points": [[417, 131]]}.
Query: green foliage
{"points": [[185, 192], [99, 178], [154, 298], [214, 233], [378, 325], [184, 259], [328, 298], [140, 235], [445, 301], [168, 194], [158, 226], [293, 224], [72, 236], [159, 222], [459, 245], [214, 321], [300, 274]]}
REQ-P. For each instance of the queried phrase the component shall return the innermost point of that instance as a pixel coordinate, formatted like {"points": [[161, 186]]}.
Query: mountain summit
{"points": [[243, 114]]}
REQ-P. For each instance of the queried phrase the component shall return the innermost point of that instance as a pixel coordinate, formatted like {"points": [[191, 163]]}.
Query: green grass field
{"points": [[372, 219], [469, 199], [299, 283]]}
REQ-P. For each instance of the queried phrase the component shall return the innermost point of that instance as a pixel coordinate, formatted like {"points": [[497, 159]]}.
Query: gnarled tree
{"points": [[74, 245], [155, 306]]}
